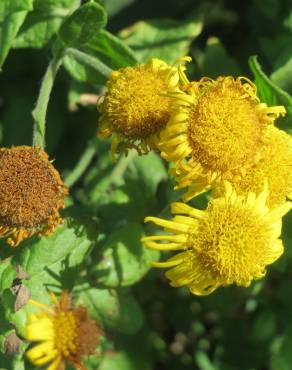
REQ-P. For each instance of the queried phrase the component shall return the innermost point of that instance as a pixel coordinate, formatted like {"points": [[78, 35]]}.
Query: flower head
{"points": [[232, 241], [218, 126], [133, 108], [64, 334], [274, 166], [31, 194]]}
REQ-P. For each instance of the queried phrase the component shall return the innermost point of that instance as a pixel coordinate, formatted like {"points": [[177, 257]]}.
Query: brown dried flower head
{"points": [[31, 194]]}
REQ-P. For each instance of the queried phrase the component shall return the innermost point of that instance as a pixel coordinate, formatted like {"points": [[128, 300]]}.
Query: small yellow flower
{"points": [[275, 166], [216, 128], [64, 334], [232, 241], [31, 194], [134, 108]]}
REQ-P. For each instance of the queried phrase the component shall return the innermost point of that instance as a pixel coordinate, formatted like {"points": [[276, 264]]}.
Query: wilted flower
{"points": [[64, 334], [31, 194]]}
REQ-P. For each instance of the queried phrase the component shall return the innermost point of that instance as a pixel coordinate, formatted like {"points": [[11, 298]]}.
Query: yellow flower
{"points": [[232, 241], [275, 166], [64, 334], [216, 128], [31, 194], [134, 108]]}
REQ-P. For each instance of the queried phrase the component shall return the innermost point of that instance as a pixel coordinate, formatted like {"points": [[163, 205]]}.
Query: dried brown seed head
{"points": [[31, 193]]}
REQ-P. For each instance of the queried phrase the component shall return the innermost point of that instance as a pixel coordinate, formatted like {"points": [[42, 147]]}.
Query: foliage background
{"points": [[97, 254]]}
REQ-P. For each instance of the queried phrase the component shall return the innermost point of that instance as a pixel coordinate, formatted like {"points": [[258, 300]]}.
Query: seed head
{"points": [[31, 193]]}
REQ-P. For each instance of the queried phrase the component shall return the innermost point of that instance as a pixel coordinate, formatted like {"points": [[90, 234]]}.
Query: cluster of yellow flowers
{"points": [[219, 137]]}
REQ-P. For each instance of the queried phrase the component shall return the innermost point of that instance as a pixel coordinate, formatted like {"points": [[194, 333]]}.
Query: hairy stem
{"points": [[40, 111], [81, 165], [90, 61]]}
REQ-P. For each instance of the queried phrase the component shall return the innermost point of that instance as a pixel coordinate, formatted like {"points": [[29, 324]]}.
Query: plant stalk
{"points": [[40, 111]]}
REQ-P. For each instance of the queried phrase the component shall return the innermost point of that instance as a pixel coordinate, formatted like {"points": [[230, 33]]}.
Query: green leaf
{"points": [[225, 65], [136, 179], [111, 49], [268, 91], [105, 174], [12, 15], [124, 260], [283, 76], [115, 309], [83, 24], [129, 192], [106, 47], [113, 6], [7, 6], [7, 274], [165, 39], [43, 22], [5, 330], [35, 256]]}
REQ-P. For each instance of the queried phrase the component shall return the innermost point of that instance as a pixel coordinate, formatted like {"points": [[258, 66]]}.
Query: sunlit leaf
{"points": [[124, 260], [268, 91], [83, 24], [164, 39], [12, 15], [42, 24]]}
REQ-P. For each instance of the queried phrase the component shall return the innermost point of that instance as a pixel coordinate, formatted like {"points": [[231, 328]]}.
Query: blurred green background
{"points": [[232, 329]]}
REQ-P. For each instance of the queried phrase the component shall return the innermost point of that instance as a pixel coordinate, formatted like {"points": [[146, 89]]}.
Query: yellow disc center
{"points": [[225, 128], [134, 104], [232, 242], [66, 326]]}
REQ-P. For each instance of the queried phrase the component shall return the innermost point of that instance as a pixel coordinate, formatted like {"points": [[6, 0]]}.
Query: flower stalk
{"points": [[40, 111]]}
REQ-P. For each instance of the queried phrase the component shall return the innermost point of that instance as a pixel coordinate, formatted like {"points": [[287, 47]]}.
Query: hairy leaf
{"points": [[124, 260], [12, 15], [268, 91], [106, 47], [42, 24], [83, 24], [225, 64], [164, 39]]}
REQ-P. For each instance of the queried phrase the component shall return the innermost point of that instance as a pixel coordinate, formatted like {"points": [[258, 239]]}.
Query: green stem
{"points": [[121, 166], [81, 165], [40, 111], [90, 61]]}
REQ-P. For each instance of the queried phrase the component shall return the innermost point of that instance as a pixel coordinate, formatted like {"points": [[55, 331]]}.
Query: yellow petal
{"points": [[169, 225], [41, 350], [182, 208]]}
